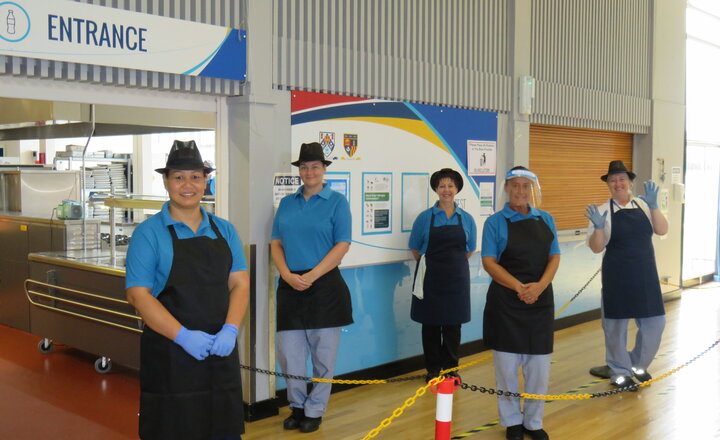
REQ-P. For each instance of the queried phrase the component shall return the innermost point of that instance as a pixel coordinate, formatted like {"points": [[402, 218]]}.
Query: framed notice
{"points": [[377, 203]]}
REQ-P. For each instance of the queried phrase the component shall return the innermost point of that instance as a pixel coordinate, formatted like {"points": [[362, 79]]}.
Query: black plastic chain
{"points": [[585, 286], [512, 394]]}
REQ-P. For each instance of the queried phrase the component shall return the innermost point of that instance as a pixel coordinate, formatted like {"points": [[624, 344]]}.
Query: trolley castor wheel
{"points": [[45, 346], [103, 365]]}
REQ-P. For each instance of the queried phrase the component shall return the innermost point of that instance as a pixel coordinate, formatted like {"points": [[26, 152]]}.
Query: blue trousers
{"points": [[536, 374], [647, 343], [321, 345]]}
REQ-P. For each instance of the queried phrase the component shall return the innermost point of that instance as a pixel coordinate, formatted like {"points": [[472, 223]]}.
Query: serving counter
{"points": [[21, 234], [77, 298]]}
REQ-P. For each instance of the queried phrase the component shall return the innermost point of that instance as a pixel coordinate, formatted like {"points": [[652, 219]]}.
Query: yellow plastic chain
{"points": [[410, 401]]}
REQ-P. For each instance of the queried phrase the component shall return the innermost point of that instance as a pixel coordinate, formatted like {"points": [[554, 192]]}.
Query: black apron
{"points": [[509, 324], [181, 397], [325, 304], [630, 286], [446, 289]]}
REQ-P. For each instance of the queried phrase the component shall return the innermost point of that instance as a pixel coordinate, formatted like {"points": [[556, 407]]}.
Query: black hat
{"points": [[184, 156], [446, 173], [310, 152], [615, 167]]}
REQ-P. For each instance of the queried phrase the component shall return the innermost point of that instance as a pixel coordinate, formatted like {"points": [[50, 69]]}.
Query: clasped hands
{"points": [[200, 344], [299, 282], [529, 292]]}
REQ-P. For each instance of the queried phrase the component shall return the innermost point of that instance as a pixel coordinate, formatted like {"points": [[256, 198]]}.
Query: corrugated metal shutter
{"points": [[228, 13], [569, 163], [591, 62], [445, 53]]}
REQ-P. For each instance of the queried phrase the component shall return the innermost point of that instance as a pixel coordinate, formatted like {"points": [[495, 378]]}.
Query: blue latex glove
{"points": [[593, 214], [651, 194], [195, 342], [225, 340]]}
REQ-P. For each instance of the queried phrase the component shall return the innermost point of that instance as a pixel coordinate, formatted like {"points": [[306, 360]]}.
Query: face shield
{"points": [[521, 186]]}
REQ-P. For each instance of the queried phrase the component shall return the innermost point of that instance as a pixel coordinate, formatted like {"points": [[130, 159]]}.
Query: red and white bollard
{"points": [[443, 410]]}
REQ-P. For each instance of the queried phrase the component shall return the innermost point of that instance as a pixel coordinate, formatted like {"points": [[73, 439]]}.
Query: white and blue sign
{"points": [[75, 32]]}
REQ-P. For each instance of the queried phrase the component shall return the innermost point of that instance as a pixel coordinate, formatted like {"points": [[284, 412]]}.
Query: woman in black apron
{"points": [[521, 254], [189, 365], [630, 282], [312, 231], [445, 235]]}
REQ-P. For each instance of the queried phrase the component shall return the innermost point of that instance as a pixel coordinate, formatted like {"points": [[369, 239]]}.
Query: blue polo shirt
{"points": [[495, 230], [150, 254], [420, 234], [309, 228]]}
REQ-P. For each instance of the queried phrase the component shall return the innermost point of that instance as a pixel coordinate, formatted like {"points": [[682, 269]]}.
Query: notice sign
{"points": [[80, 33], [481, 158], [377, 203], [284, 184]]}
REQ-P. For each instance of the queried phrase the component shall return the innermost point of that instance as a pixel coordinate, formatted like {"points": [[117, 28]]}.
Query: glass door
{"points": [[700, 231]]}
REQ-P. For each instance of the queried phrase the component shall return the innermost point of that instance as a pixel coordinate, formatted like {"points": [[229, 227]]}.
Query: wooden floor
{"points": [[59, 396]]}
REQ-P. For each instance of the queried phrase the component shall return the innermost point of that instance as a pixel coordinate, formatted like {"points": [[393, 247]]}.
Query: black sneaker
{"points": [[293, 421], [603, 372], [536, 434], [310, 424], [514, 432], [641, 374]]}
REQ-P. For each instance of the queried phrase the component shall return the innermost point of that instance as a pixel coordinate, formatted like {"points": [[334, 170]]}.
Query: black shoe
{"points": [[641, 374], [454, 374], [536, 434], [431, 375], [310, 424], [603, 372], [624, 382], [293, 421], [514, 432]]}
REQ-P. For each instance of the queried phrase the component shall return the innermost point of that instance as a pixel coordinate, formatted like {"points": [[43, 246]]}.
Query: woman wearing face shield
{"points": [[520, 251], [623, 227]]}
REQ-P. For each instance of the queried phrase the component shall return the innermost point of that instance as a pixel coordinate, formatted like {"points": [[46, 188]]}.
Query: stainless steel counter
{"points": [[78, 299], [42, 218], [92, 261], [22, 233]]}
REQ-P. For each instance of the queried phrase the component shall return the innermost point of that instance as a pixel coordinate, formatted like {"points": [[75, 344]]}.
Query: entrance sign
{"points": [[75, 32]]}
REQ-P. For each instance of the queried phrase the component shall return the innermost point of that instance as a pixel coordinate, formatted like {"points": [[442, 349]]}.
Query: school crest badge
{"points": [[327, 141], [350, 142]]}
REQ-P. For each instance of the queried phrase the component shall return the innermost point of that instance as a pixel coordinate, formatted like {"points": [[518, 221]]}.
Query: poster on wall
{"points": [[283, 185], [339, 182], [377, 203], [382, 155], [481, 158], [487, 198]]}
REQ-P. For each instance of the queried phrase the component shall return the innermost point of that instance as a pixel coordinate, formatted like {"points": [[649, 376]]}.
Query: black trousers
{"points": [[440, 346]]}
